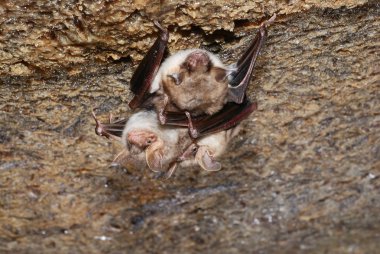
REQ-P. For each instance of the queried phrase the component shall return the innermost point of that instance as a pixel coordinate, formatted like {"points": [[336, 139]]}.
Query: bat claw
{"points": [[99, 130], [110, 118], [162, 118], [108, 130], [163, 31], [269, 21], [192, 131]]}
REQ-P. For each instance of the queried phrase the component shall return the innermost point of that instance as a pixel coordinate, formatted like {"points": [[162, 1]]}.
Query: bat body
{"points": [[194, 82], [187, 107], [146, 142]]}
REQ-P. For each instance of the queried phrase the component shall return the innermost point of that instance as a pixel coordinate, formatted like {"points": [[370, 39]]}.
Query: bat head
{"points": [[141, 138], [195, 82], [197, 61]]}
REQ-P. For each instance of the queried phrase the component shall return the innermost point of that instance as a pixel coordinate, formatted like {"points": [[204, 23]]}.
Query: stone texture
{"points": [[303, 175]]}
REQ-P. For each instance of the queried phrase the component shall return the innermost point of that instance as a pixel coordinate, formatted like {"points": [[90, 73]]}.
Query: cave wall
{"points": [[302, 176]]}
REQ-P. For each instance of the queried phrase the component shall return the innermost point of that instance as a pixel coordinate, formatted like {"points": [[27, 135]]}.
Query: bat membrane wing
{"points": [[242, 70], [113, 129], [229, 116], [143, 76], [179, 119]]}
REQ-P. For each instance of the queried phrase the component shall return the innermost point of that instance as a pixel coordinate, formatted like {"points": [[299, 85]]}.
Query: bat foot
{"points": [[192, 131], [162, 118]]}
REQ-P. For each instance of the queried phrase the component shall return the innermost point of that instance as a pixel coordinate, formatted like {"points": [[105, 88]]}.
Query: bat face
{"points": [[143, 134], [194, 80], [141, 138]]}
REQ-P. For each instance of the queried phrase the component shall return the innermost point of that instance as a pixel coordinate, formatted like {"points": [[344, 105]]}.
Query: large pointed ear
{"points": [[172, 167], [154, 156], [206, 160], [241, 72], [146, 71], [129, 161]]}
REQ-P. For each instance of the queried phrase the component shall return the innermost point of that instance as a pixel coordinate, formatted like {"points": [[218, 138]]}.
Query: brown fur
{"points": [[199, 92]]}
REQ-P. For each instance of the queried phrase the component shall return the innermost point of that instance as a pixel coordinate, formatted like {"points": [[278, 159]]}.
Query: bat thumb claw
{"points": [[269, 21], [99, 130], [163, 31]]}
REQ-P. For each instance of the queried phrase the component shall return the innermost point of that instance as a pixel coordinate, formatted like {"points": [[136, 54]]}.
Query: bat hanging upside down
{"points": [[186, 109]]}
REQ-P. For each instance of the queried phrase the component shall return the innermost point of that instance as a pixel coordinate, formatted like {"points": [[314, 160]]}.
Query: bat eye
{"points": [[194, 149], [176, 78]]}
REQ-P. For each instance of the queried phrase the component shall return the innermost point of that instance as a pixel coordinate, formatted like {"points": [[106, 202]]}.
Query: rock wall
{"points": [[302, 176]]}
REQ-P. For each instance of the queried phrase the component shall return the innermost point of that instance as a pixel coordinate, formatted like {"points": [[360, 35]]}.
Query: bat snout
{"points": [[198, 61], [141, 139]]}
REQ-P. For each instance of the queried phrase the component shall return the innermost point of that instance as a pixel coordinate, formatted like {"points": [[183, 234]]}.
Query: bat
{"points": [[193, 82], [146, 142], [191, 92]]}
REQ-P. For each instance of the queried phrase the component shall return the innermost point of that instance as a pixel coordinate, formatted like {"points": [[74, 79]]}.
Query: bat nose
{"points": [[134, 139], [198, 60]]}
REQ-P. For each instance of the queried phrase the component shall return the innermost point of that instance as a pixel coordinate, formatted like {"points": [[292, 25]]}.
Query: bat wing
{"points": [[143, 76], [230, 115], [113, 129], [242, 70]]}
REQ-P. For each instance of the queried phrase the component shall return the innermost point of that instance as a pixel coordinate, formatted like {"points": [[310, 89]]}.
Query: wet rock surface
{"points": [[302, 176]]}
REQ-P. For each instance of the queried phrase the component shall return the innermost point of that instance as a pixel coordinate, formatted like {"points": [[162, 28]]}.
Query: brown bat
{"points": [[193, 82], [191, 89]]}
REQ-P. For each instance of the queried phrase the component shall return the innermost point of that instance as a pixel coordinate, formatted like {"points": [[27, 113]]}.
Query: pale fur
{"points": [[216, 144], [172, 63], [170, 138], [147, 120]]}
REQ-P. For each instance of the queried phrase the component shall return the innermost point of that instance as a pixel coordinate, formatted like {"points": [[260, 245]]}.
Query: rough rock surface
{"points": [[303, 175]]}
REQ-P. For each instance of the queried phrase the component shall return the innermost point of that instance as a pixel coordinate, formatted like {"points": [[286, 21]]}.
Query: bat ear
{"points": [[154, 157], [206, 160], [219, 74], [125, 159], [172, 168]]}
